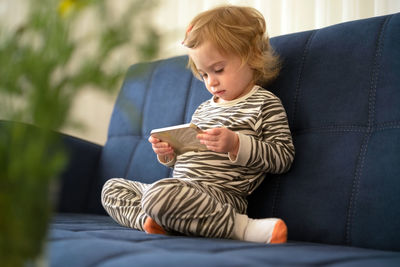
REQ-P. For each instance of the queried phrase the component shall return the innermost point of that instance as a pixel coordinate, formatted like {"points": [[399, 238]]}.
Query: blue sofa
{"points": [[340, 86]]}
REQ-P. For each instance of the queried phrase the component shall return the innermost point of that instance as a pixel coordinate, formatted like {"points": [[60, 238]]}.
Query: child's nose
{"points": [[212, 81]]}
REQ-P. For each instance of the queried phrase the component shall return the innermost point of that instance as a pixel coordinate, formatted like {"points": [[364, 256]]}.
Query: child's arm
{"points": [[273, 153], [165, 153]]}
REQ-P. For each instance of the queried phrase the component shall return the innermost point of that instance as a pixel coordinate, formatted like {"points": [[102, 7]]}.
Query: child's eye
{"points": [[203, 75], [219, 70]]}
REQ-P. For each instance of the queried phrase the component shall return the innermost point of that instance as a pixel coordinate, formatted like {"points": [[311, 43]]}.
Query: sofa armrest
{"points": [[79, 177], [72, 191]]}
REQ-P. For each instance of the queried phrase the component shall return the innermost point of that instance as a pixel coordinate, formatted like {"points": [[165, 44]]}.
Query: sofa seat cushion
{"points": [[96, 240]]}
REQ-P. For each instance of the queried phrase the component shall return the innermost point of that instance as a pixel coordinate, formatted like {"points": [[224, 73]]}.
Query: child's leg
{"points": [[196, 209], [191, 208], [121, 199]]}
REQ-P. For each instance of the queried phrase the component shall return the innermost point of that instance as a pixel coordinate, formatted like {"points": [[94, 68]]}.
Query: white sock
{"points": [[254, 230], [239, 227]]}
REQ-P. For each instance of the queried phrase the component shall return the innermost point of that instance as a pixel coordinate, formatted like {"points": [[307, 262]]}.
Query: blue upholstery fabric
{"points": [[343, 187], [82, 168], [93, 240], [340, 86]]}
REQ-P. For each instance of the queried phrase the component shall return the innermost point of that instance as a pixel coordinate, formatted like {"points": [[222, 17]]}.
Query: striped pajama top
{"points": [[265, 146]]}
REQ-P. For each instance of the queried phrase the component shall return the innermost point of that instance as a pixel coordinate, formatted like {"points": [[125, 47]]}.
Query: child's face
{"points": [[224, 75]]}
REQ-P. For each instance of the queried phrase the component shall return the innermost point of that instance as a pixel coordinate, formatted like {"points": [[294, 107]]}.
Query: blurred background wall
{"points": [[171, 17]]}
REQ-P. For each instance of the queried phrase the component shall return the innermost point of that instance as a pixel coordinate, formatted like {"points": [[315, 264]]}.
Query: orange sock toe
{"points": [[151, 227], [279, 235]]}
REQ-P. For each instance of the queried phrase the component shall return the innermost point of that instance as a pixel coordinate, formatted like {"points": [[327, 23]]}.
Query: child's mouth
{"points": [[219, 93]]}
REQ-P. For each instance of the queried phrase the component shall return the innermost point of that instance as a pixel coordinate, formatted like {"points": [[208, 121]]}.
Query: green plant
{"points": [[43, 67]]}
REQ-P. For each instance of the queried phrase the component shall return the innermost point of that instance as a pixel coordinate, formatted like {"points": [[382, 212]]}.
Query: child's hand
{"points": [[220, 140], [162, 149]]}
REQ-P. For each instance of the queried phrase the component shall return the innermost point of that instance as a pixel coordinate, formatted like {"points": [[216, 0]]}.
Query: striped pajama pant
{"points": [[185, 206]]}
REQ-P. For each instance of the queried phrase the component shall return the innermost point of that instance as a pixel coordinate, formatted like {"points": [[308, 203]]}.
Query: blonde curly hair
{"points": [[237, 30]]}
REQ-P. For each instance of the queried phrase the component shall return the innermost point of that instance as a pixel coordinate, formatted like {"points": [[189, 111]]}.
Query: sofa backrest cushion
{"points": [[340, 86]]}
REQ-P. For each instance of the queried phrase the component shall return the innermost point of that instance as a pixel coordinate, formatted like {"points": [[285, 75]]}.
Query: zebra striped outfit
{"points": [[208, 188]]}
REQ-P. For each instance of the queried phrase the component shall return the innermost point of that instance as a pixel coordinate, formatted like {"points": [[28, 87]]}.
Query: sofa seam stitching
{"points": [[333, 128], [277, 193], [351, 210], [148, 83], [124, 83], [388, 125], [189, 94], [300, 76]]}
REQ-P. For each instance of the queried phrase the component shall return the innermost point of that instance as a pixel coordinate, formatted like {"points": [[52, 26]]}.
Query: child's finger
{"points": [[214, 131], [207, 137], [163, 150], [161, 145], [210, 135], [153, 140]]}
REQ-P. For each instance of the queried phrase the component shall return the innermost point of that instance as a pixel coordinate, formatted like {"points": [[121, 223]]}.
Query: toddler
{"points": [[245, 130]]}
